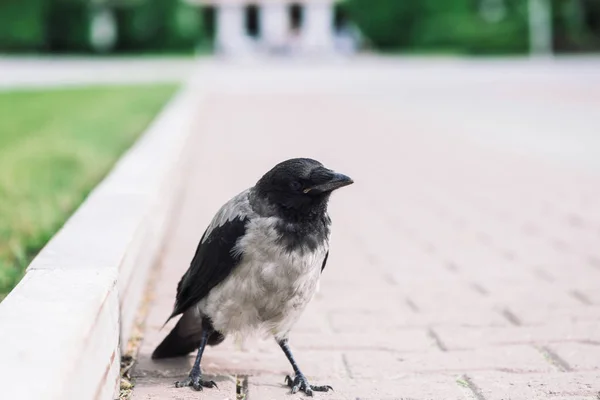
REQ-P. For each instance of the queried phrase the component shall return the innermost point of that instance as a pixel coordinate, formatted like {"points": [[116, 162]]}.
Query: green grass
{"points": [[55, 146]]}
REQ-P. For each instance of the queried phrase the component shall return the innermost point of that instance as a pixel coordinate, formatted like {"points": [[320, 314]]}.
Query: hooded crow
{"points": [[257, 266]]}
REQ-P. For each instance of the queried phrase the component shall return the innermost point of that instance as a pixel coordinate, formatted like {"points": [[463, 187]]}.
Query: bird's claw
{"points": [[196, 383], [300, 383]]}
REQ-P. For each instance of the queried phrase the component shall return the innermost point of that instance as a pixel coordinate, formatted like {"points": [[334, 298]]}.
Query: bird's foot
{"points": [[300, 383], [196, 383]]}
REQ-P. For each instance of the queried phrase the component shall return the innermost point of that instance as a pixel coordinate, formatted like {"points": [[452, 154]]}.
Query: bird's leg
{"points": [[195, 378], [299, 382]]}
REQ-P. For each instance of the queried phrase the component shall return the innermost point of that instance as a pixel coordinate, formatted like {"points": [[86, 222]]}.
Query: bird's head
{"points": [[300, 187]]}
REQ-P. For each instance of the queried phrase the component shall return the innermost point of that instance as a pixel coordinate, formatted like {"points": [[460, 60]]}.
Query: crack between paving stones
{"points": [[511, 317], [347, 366], [451, 266], [436, 339], [413, 307], [544, 275], [466, 382], [582, 298], [554, 359], [479, 289]]}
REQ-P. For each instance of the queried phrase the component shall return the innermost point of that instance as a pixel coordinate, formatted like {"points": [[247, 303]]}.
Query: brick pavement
{"points": [[458, 270]]}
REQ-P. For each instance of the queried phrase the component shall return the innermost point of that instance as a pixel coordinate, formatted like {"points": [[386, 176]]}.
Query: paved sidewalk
{"points": [[463, 265], [51, 71]]}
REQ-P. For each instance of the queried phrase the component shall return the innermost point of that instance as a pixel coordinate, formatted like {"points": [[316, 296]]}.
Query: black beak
{"points": [[335, 182]]}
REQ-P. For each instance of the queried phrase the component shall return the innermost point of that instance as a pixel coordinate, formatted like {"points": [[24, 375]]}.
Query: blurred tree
{"points": [[137, 23], [182, 26], [158, 25], [592, 20], [444, 25], [465, 26], [476, 33], [80, 26], [22, 24], [493, 10], [576, 25], [99, 25], [389, 24]]}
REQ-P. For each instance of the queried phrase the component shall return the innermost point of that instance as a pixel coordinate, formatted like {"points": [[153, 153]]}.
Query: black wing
{"points": [[325, 261], [213, 262]]}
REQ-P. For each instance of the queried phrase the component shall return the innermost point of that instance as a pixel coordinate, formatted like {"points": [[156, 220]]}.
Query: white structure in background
{"points": [[315, 32], [540, 27]]}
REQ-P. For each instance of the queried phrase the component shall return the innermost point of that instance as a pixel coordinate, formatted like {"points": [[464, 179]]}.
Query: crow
{"points": [[257, 266]]}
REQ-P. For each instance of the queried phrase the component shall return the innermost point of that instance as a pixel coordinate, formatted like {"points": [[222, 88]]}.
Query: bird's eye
{"points": [[295, 185]]}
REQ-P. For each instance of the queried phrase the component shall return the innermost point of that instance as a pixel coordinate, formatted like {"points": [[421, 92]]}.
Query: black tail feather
{"points": [[175, 345], [180, 341]]}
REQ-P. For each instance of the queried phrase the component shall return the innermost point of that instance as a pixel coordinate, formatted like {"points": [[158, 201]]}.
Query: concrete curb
{"points": [[66, 323]]}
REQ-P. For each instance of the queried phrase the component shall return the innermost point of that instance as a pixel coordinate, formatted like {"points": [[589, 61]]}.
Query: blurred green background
{"points": [[475, 26], [101, 26], [176, 26]]}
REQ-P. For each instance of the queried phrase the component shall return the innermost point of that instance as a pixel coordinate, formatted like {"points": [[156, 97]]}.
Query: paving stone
{"points": [[509, 358], [407, 386], [578, 356], [557, 385], [474, 337], [164, 388]]}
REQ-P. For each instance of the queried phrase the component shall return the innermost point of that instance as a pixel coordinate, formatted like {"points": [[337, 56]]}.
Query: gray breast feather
{"points": [[237, 207], [270, 288]]}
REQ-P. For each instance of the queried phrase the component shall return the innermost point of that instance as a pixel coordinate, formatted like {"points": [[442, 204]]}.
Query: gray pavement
{"points": [[464, 261], [47, 71]]}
